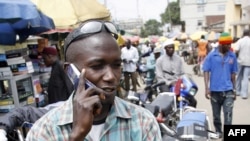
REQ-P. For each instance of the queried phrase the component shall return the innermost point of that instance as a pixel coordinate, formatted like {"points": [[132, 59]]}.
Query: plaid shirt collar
{"points": [[120, 109]]}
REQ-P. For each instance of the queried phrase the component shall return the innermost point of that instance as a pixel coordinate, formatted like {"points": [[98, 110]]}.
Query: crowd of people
{"points": [[97, 113]]}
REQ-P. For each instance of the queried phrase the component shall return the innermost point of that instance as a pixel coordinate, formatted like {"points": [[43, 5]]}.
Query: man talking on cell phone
{"points": [[96, 113]]}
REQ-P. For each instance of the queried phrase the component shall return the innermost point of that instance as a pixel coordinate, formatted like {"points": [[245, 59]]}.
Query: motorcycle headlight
{"points": [[179, 98], [192, 91]]}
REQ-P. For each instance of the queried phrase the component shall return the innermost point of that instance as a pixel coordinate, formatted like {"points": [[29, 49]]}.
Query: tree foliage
{"points": [[171, 14], [151, 27]]}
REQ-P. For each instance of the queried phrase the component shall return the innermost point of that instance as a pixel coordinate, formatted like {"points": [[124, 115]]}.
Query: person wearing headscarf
{"points": [[60, 87]]}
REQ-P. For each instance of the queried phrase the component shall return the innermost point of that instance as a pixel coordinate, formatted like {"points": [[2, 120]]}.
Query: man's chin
{"points": [[109, 99]]}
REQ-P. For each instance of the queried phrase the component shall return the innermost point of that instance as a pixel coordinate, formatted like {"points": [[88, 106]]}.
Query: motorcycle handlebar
{"points": [[155, 110], [154, 86], [158, 84]]}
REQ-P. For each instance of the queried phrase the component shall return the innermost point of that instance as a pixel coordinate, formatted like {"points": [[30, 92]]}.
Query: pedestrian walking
{"points": [[130, 57], [202, 53], [243, 50], [202, 48], [220, 67]]}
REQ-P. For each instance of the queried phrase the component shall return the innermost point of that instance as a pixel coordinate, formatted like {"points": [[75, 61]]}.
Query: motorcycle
{"points": [[19, 134], [173, 102], [178, 118], [192, 124], [185, 90]]}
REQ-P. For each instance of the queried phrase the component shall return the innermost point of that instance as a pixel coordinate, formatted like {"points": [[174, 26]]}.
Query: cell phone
{"points": [[74, 75]]}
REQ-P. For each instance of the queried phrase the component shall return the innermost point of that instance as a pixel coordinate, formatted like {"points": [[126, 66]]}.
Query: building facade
{"points": [[132, 26], [203, 15], [238, 17]]}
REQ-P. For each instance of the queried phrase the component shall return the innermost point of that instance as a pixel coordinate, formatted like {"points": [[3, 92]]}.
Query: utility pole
{"points": [[105, 3], [169, 14], [138, 17], [137, 8]]}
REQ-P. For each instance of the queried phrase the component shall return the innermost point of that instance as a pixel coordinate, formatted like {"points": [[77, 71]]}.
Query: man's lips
{"points": [[109, 90]]}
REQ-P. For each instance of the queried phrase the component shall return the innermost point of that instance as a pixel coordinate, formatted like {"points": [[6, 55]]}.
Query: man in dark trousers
{"points": [[220, 67], [60, 86]]}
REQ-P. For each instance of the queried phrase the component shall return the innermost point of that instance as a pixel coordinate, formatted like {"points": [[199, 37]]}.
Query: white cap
{"points": [[157, 49], [168, 42]]}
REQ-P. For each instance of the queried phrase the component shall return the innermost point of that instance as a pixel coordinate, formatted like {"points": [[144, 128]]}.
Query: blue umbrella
{"points": [[9, 35], [14, 10], [23, 19], [24, 28]]}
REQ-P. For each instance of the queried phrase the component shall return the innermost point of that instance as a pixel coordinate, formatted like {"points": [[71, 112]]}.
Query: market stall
{"points": [[20, 82]]}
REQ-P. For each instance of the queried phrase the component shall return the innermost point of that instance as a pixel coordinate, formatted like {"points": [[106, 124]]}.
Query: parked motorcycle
{"points": [[189, 124], [185, 90], [173, 103]]}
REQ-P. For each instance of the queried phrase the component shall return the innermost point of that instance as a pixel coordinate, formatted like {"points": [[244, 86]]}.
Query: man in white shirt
{"points": [[243, 50], [130, 57], [145, 47]]}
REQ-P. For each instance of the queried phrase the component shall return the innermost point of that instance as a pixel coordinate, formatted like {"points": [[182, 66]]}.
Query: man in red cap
{"points": [[60, 86]]}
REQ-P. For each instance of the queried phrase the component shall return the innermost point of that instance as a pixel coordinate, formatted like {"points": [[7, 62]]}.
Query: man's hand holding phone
{"points": [[86, 104]]}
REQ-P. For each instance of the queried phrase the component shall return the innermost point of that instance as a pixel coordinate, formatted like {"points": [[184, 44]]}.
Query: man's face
{"points": [[100, 56], [225, 48], [152, 46], [169, 50], [128, 44], [47, 60], [157, 55]]}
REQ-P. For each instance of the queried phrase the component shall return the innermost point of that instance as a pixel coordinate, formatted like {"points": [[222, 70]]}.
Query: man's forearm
{"points": [[233, 76], [19, 115], [206, 79]]}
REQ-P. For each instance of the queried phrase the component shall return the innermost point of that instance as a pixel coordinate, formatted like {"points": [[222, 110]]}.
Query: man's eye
{"points": [[118, 64], [97, 66]]}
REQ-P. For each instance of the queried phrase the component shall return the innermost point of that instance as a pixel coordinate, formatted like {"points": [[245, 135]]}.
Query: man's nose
{"points": [[109, 74]]}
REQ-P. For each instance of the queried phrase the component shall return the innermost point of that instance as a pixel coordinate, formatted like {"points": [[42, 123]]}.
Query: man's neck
{"points": [[99, 119], [222, 53]]}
